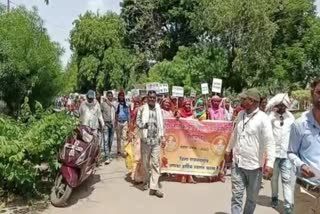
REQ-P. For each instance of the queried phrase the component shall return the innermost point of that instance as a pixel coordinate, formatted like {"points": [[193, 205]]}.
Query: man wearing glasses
{"points": [[304, 153], [281, 121]]}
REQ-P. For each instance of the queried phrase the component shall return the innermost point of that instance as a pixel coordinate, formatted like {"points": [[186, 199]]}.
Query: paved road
{"points": [[109, 192]]}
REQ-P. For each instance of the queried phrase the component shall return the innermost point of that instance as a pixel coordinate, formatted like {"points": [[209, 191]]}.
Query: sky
{"points": [[60, 14]]}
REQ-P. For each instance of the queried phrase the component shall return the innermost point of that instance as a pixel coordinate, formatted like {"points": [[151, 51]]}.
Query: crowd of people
{"points": [[266, 141]]}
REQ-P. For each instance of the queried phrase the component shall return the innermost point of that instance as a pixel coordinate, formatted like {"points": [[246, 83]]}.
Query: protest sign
{"points": [[216, 85], [205, 88], [164, 88], [193, 93], [143, 92], [154, 86], [135, 92], [193, 147], [177, 91]]}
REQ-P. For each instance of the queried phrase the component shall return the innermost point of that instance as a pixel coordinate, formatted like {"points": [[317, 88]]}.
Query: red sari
{"points": [[186, 112]]}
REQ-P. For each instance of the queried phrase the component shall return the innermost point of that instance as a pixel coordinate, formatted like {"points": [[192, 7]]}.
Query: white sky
{"points": [[60, 14]]}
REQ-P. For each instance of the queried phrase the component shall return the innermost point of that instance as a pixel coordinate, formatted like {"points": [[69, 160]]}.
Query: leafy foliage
{"points": [[23, 148], [29, 61], [100, 57]]}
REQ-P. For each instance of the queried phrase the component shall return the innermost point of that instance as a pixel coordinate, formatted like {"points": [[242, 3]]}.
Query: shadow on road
{"points": [[84, 190], [265, 201]]}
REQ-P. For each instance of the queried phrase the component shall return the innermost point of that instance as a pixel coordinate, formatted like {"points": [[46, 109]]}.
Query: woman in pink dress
{"points": [[217, 112]]}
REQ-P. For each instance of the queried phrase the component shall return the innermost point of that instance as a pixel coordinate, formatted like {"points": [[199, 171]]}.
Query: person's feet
{"points": [[108, 161], [288, 210], [156, 193], [191, 180], [184, 179], [274, 202], [145, 187]]}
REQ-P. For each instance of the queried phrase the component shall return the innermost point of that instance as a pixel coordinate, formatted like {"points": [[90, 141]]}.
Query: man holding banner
{"points": [[252, 135], [151, 129]]}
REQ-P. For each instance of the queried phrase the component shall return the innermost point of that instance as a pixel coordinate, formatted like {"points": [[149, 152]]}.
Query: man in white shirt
{"points": [[251, 137], [90, 112], [281, 121]]}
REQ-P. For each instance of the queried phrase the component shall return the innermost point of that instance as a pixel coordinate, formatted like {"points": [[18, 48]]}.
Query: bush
{"points": [[24, 147]]}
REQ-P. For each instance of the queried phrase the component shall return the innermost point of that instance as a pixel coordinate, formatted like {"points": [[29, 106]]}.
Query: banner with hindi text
{"points": [[193, 147]]}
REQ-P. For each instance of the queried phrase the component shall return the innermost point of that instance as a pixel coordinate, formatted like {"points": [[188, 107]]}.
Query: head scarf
{"points": [[170, 104], [216, 113], [184, 112], [134, 112], [281, 98], [200, 113], [215, 98]]}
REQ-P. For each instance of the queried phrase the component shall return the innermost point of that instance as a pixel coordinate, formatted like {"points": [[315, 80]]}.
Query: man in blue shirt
{"points": [[122, 122], [304, 153]]}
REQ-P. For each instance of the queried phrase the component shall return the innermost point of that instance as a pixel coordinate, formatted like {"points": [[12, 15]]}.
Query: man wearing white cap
{"points": [[281, 121]]}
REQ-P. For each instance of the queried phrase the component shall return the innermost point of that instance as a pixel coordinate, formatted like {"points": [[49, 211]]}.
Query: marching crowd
{"points": [[267, 141]]}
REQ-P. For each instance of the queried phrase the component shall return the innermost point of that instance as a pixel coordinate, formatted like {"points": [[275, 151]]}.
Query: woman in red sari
{"points": [[186, 112]]}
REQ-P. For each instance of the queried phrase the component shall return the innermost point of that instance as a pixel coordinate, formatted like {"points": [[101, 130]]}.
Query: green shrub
{"points": [[24, 147]]}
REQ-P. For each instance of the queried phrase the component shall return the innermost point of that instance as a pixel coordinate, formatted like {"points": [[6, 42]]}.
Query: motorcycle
{"points": [[79, 158]]}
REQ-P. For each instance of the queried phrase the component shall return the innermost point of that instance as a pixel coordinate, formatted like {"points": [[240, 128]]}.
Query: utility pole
{"points": [[8, 6]]}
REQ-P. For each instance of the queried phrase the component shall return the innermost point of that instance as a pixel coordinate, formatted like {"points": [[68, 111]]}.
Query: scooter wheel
{"points": [[60, 192]]}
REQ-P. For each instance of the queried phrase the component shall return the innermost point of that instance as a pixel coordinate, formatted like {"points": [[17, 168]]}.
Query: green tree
{"points": [[245, 30], [101, 58], [158, 28], [29, 61], [191, 67], [296, 43]]}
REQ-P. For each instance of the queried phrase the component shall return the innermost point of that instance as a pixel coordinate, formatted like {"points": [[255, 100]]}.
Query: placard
{"points": [[204, 88], [154, 86], [164, 88], [143, 92], [216, 85], [193, 93], [135, 92], [177, 91]]}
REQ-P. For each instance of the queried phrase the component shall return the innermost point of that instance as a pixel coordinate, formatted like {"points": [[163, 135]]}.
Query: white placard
{"points": [[205, 88], [177, 91], [216, 85], [115, 93], [164, 88], [154, 86], [135, 92], [193, 93], [143, 92]]}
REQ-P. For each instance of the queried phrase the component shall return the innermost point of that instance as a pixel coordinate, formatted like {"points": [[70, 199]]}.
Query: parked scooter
{"points": [[79, 158]]}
